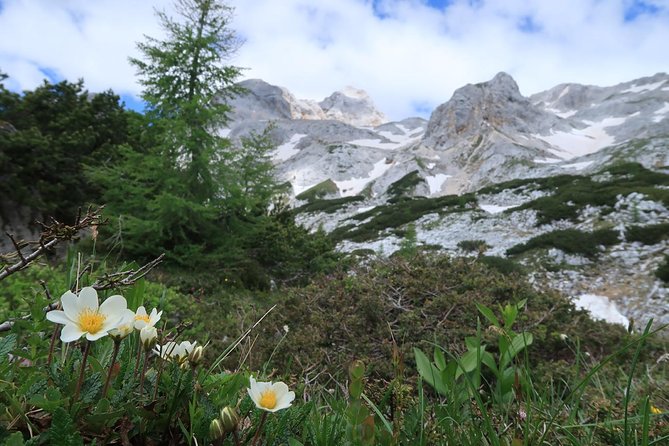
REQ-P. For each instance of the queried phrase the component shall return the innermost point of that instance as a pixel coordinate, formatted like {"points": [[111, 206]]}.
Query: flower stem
{"points": [[235, 435], [174, 401], [77, 390], [160, 373], [117, 344], [260, 425], [141, 380], [54, 336], [139, 356]]}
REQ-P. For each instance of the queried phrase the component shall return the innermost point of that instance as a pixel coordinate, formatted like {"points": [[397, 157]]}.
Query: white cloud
{"points": [[416, 55]]}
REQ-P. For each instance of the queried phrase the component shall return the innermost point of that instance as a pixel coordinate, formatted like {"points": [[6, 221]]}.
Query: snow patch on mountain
{"points": [[436, 182], [600, 307], [493, 208], [287, 150], [580, 142], [354, 186], [640, 88], [577, 166], [660, 114]]}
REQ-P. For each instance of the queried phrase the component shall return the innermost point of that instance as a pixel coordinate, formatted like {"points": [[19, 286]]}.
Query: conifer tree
{"points": [[186, 84]]}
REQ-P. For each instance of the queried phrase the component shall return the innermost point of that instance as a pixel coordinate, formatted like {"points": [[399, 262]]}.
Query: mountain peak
{"points": [[353, 106]]}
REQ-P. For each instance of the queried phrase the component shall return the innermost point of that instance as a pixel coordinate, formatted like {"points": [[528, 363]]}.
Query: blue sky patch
{"points": [[439, 4], [51, 75], [527, 25], [422, 109], [637, 8], [133, 103]]}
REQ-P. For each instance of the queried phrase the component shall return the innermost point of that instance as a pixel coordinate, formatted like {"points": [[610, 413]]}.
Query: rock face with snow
{"points": [[352, 106], [484, 134]]}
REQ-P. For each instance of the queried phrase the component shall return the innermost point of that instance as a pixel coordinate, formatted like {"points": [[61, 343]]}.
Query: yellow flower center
{"points": [[91, 321], [142, 317], [268, 399]]}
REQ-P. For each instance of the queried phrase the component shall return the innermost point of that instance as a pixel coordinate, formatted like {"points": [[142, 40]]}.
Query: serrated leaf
{"points": [[7, 344], [63, 432]]}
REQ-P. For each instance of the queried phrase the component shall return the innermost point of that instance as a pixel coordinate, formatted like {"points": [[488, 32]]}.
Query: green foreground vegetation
{"points": [[416, 349]]}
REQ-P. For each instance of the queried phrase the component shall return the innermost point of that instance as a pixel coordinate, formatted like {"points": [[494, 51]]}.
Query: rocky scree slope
{"points": [[372, 183]]}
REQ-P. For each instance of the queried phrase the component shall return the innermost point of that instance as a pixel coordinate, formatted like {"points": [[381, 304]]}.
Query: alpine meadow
{"points": [[234, 265]]}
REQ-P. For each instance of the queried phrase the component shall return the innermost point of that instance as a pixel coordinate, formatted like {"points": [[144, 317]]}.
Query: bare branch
{"points": [[50, 236], [108, 281]]}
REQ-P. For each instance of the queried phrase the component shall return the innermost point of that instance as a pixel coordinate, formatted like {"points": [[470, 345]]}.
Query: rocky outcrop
{"points": [[354, 107]]}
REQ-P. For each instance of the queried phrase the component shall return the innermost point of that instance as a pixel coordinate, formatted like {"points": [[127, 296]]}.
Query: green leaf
{"points": [[7, 344], [293, 442], [488, 314], [439, 358], [470, 361], [16, 439], [430, 373], [518, 343], [63, 431]]}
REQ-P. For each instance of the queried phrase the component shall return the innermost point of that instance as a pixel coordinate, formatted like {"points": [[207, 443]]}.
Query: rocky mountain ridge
{"points": [[372, 186]]}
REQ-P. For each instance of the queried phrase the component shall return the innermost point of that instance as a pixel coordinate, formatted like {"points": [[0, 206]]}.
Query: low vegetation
{"points": [[572, 241]]}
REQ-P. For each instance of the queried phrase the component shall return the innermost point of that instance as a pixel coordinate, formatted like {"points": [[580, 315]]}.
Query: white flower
{"points": [[270, 396], [148, 335], [173, 351], [142, 319], [125, 326], [81, 315]]}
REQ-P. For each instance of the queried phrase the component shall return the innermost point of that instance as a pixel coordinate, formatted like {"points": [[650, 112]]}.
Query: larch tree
{"points": [[187, 83]]}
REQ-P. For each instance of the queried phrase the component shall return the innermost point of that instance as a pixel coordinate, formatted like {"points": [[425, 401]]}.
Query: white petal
{"points": [[114, 306], [280, 389], [70, 305], [96, 336], [70, 332], [139, 324], [141, 311], [111, 322], [88, 298], [58, 317], [285, 401], [128, 317]]}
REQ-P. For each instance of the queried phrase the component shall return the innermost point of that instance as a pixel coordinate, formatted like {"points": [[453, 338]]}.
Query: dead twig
{"points": [[115, 280], [51, 235]]}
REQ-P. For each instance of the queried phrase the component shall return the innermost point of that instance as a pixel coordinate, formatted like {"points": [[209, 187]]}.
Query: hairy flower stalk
{"points": [[82, 370], [117, 345], [124, 328], [149, 336]]}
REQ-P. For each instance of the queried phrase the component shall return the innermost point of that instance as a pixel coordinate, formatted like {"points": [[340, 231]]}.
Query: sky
{"points": [[409, 55]]}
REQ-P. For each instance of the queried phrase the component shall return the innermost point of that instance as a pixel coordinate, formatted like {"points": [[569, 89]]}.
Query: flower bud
{"points": [[229, 419], [215, 429], [148, 335], [195, 356]]}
